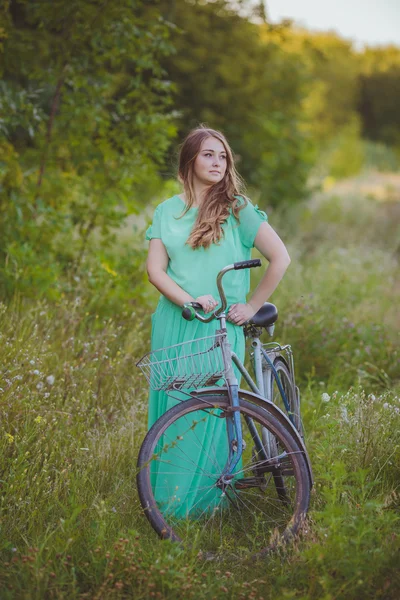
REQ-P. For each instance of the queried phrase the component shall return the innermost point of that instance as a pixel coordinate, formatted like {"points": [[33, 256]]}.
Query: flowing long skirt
{"points": [[183, 475]]}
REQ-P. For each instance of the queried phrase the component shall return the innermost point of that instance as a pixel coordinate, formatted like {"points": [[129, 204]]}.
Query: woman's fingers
{"points": [[208, 302], [240, 313]]}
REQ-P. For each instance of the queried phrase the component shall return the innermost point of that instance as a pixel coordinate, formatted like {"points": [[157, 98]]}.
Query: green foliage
{"points": [[333, 69], [338, 301], [381, 157], [91, 103], [87, 120], [233, 75], [345, 155], [73, 417], [380, 94], [91, 96]]}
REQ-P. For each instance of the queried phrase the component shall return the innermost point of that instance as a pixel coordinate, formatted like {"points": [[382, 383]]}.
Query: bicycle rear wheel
{"points": [[291, 392], [183, 497]]}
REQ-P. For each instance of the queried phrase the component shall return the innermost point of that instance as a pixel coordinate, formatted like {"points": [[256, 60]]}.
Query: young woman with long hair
{"points": [[193, 236]]}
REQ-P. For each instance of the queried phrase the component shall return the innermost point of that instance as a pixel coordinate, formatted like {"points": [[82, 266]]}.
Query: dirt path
{"points": [[374, 184]]}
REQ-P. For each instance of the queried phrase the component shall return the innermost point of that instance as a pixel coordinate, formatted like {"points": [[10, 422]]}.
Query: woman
{"points": [[193, 236]]}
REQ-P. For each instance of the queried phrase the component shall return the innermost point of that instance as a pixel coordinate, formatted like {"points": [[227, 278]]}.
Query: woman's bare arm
{"points": [[157, 264], [270, 245]]}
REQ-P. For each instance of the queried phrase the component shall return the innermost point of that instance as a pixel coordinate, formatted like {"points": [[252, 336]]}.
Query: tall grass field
{"points": [[73, 415]]}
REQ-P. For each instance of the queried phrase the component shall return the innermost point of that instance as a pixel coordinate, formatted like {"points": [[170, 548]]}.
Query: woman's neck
{"points": [[200, 191]]}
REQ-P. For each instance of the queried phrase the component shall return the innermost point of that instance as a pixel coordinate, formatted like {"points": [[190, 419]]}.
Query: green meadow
{"points": [[95, 98], [73, 415]]}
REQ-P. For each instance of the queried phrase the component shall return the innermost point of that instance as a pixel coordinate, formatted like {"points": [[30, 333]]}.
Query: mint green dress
{"points": [[195, 272]]}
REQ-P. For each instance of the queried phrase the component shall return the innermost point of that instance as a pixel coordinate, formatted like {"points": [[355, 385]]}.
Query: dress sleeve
{"points": [[154, 231], [250, 218]]}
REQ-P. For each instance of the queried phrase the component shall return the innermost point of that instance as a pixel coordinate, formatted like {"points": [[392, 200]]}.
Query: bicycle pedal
{"points": [[249, 482]]}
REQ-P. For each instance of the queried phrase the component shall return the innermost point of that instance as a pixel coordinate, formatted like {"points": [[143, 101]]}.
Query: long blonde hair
{"points": [[220, 198]]}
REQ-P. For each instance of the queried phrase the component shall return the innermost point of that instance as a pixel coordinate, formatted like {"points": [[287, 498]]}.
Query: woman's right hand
{"points": [[207, 302]]}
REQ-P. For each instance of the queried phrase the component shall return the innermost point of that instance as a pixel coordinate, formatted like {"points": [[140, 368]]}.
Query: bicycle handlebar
{"points": [[247, 264], [189, 311]]}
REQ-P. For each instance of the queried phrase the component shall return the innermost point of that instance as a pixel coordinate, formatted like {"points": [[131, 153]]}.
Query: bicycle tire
{"points": [[291, 392], [250, 504]]}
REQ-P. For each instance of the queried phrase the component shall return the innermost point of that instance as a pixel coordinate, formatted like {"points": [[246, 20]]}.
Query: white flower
{"points": [[39, 385], [325, 397], [343, 413], [50, 379], [31, 362], [36, 372]]}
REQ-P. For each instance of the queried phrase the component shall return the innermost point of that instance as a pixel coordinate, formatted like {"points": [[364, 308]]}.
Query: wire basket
{"points": [[189, 365]]}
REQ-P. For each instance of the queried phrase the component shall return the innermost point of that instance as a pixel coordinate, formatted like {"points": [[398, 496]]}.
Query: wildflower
{"points": [[343, 413], [109, 270], [50, 379], [10, 438], [31, 362], [38, 419], [325, 397], [39, 385], [36, 372]]}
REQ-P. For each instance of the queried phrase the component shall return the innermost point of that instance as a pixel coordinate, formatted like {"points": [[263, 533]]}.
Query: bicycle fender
{"points": [[273, 409]]}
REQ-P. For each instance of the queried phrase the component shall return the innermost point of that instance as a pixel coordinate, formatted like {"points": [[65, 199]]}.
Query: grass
{"points": [[73, 414]]}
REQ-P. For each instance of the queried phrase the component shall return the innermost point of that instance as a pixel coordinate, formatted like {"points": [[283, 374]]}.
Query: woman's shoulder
{"points": [[241, 200], [246, 207], [170, 203]]}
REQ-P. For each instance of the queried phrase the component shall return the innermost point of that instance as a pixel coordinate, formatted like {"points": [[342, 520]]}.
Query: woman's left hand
{"points": [[240, 313]]}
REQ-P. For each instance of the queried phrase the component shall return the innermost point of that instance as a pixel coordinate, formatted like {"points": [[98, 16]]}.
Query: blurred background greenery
{"points": [[95, 98], [94, 103]]}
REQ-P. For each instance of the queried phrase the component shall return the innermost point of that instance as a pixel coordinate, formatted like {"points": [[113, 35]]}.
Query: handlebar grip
{"points": [[189, 310], [247, 264]]}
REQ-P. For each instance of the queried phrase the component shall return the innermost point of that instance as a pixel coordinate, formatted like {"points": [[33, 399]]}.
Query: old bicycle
{"points": [[254, 468]]}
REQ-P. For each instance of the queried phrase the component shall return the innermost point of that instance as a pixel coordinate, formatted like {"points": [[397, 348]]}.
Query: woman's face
{"points": [[210, 164]]}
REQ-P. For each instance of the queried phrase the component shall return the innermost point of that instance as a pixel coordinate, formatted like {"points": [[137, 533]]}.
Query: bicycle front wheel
{"points": [[179, 479]]}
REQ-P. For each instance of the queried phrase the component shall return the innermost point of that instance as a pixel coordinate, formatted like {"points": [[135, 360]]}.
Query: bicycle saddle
{"points": [[266, 316]]}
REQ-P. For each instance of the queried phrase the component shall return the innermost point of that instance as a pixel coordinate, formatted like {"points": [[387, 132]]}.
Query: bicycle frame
{"points": [[260, 395], [234, 425]]}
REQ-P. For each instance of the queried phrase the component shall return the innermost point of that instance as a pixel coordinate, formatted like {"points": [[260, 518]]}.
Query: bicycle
{"points": [[255, 472]]}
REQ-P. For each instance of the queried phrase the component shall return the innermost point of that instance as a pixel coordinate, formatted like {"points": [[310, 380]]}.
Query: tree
{"points": [[230, 74], [380, 94], [87, 120]]}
